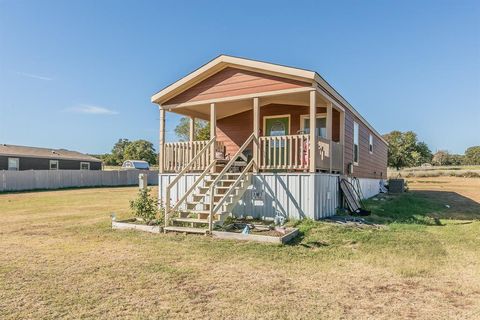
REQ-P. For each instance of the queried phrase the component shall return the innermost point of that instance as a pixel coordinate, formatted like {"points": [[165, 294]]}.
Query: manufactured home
{"points": [[280, 139], [19, 158]]}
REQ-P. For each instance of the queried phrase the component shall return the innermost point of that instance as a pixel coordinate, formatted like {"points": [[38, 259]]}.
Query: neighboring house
{"points": [[296, 133], [33, 158]]}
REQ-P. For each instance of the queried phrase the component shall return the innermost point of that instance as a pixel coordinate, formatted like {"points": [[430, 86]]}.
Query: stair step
{"points": [[222, 180], [226, 174], [190, 220], [200, 212], [185, 230]]}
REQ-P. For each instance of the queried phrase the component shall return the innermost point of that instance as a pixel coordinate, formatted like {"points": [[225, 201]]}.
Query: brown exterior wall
{"points": [[234, 130], [233, 82], [372, 165]]}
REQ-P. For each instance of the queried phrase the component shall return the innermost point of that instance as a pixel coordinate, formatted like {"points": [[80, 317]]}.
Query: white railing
{"points": [[186, 168], [179, 154], [220, 176], [290, 152]]}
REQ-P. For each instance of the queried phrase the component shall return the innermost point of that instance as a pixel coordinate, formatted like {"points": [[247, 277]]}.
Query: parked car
{"points": [[135, 164]]}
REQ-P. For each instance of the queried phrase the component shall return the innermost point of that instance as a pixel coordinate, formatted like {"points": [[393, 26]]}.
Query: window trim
{"points": [[17, 160], [84, 162], [304, 117], [370, 143], [51, 162], [357, 143], [277, 116]]}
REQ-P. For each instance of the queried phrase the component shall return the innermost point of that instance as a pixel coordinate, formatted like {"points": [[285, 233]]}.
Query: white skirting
{"points": [[292, 195], [370, 187]]}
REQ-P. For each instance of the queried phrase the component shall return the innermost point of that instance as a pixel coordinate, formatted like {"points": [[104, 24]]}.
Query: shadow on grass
{"points": [[423, 207]]}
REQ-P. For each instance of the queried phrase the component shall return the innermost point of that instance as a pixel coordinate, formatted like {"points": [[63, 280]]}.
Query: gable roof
{"points": [[34, 152], [223, 61]]}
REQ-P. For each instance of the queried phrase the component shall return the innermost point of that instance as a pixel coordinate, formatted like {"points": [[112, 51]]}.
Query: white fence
{"points": [[58, 179]]}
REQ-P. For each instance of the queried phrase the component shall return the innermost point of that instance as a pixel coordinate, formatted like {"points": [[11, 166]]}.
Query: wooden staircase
{"points": [[211, 198], [194, 218]]}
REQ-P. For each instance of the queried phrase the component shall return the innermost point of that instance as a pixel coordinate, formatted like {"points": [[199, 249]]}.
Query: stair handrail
{"points": [[181, 174], [222, 173], [194, 185], [234, 185]]}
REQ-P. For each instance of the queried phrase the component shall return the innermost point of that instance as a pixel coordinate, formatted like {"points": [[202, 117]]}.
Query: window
{"points": [[356, 149], [370, 143], [84, 165], [13, 164], [321, 125], [53, 164]]}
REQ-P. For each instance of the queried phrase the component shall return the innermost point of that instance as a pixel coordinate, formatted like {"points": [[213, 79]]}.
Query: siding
{"points": [[373, 165], [27, 163], [234, 130], [234, 82]]}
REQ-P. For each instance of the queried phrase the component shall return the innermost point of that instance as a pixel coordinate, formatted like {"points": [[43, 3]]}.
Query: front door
{"points": [[276, 126]]}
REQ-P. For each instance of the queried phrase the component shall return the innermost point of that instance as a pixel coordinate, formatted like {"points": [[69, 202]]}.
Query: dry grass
{"points": [[471, 171], [60, 259]]}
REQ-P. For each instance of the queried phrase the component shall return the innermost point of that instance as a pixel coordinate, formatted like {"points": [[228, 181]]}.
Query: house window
{"points": [[356, 149], [321, 125], [13, 164], [370, 143], [53, 164], [84, 165]]}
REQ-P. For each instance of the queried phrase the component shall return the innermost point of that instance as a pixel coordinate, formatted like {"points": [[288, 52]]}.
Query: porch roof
{"points": [[230, 107]]}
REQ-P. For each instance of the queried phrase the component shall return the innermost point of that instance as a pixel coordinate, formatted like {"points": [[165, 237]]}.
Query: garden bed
{"points": [[135, 224], [260, 233]]}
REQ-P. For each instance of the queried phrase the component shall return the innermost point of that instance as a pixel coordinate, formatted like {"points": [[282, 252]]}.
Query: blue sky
{"points": [[80, 74]]}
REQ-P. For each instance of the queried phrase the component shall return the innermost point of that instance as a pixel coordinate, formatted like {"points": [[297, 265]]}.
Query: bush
{"points": [[145, 207]]}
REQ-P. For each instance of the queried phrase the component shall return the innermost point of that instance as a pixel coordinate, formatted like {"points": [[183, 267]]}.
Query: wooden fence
{"points": [[58, 179]]}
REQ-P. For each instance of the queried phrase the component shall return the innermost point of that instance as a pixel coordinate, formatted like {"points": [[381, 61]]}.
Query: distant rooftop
{"points": [[35, 152]]}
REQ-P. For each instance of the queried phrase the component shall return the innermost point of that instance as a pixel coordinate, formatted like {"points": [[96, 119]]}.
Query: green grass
{"points": [[60, 259]]}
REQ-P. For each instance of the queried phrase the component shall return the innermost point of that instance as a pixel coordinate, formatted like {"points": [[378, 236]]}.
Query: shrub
{"points": [[145, 206]]}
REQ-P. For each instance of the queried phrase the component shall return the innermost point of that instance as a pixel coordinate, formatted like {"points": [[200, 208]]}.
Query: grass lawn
{"points": [[60, 259]]}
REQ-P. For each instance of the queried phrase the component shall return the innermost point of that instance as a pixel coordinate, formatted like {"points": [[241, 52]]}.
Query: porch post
{"points": [[161, 145], [191, 137], [313, 131], [256, 125], [342, 138], [192, 129], [213, 132], [329, 133]]}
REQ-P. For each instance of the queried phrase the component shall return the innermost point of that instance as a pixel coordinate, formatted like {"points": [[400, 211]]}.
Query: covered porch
{"points": [[294, 130]]}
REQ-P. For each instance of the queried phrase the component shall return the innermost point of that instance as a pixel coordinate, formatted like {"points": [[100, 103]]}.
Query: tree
{"points": [[202, 129], [472, 155], [140, 150], [441, 158], [118, 152], [404, 150]]}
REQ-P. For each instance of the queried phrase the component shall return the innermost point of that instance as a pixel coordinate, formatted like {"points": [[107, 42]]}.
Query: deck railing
{"points": [[284, 152], [179, 154], [292, 152], [329, 150]]}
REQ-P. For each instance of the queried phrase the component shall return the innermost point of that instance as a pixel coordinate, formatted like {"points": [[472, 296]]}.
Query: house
{"points": [[295, 133], [32, 158]]}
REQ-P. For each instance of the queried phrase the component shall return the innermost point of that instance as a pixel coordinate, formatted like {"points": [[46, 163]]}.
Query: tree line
{"points": [[404, 150], [125, 149]]}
